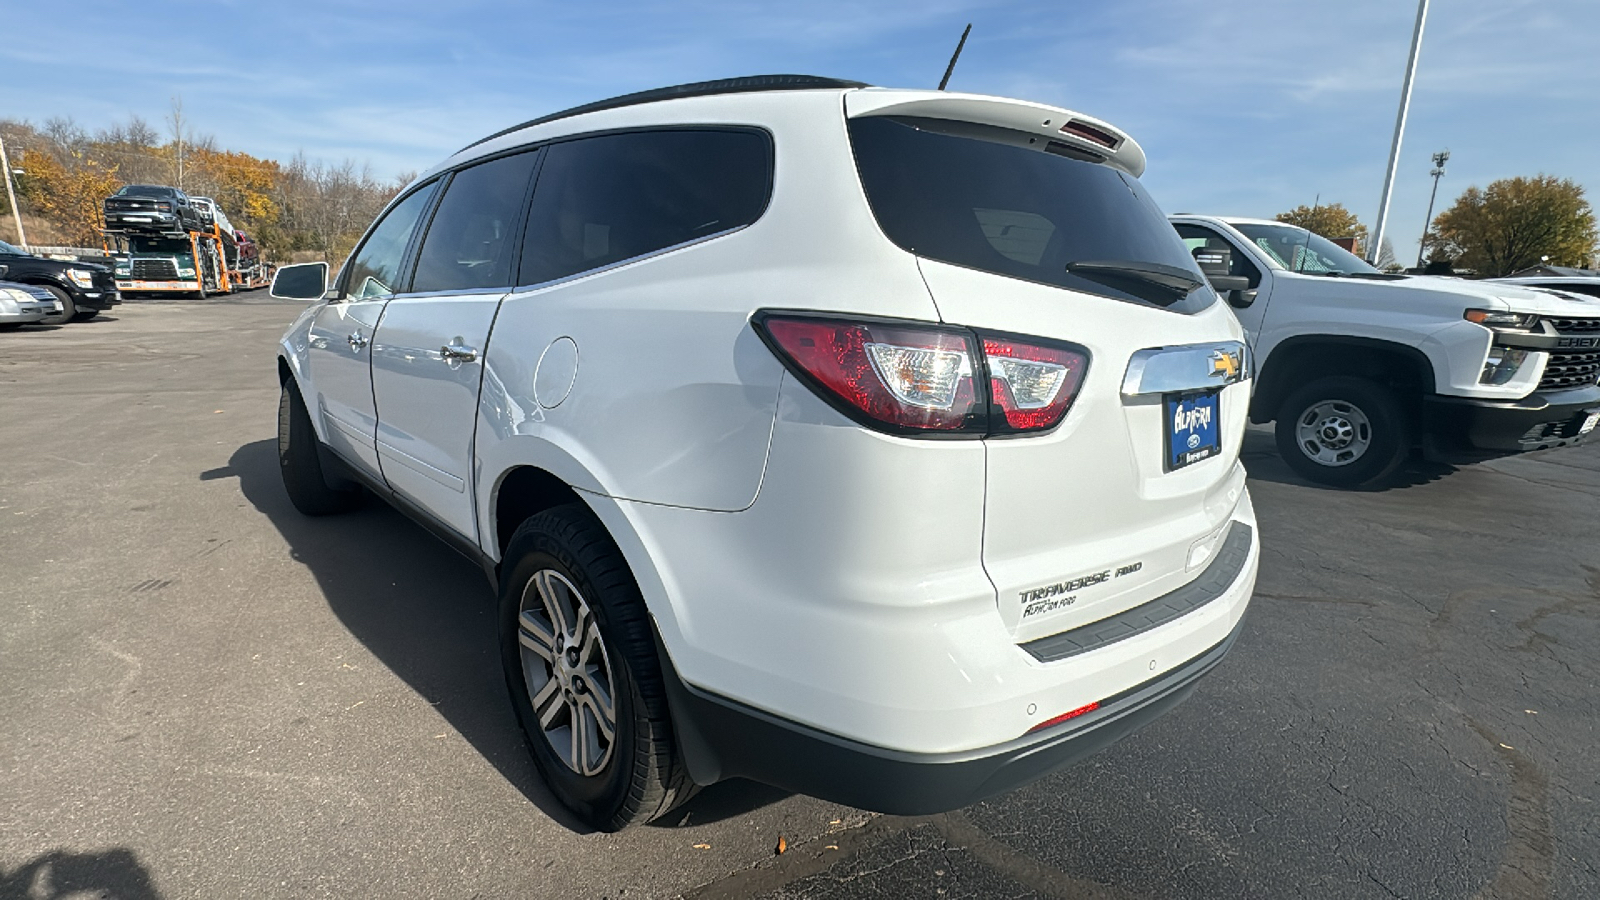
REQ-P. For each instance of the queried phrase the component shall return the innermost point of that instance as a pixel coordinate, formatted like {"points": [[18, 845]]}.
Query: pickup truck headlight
{"points": [[1502, 364], [81, 277], [1492, 318]]}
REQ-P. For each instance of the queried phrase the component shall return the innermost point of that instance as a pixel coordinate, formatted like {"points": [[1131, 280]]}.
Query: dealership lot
{"points": [[205, 694]]}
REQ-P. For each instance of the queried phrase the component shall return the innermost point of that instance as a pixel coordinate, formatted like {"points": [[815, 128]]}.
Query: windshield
{"points": [[983, 198], [7, 248], [143, 190], [1299, 250], [160, 245]]}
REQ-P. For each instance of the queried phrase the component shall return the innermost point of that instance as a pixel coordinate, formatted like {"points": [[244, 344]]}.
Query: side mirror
{"points": [[1242, 298], [306, 281], [1223, 284]]}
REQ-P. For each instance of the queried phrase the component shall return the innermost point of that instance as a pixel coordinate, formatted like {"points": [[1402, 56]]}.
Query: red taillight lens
{"points": [[1032, 385], [1089, 133], [905, 377]]}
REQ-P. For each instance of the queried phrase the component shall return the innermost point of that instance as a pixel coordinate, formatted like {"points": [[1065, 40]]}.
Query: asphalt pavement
{"points": [[204, 694]]}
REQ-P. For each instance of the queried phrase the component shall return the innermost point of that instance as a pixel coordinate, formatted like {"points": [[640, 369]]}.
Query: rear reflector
{"points": [[1089, 133], [922, 378], [1065, 716]]}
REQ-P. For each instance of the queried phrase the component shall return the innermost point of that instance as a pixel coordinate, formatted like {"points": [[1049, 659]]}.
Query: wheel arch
{"points": [[1297, 360]]}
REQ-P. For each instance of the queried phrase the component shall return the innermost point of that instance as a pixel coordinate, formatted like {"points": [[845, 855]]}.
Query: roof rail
{"points": [[743, 85]]}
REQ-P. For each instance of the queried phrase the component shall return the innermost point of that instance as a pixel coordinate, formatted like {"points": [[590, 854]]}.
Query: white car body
{"points": [[836, 585], [1421, 319]]}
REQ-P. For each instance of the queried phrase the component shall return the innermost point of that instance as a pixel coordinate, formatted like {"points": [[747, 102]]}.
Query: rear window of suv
{"points": [[983, 198]]}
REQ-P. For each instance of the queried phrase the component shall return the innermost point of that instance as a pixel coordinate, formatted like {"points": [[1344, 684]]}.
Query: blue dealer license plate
{"points": [[1193, 429]]}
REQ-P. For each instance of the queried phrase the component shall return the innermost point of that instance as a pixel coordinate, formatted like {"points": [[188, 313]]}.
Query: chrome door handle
{"points": [[458, 352], [357, 340]]}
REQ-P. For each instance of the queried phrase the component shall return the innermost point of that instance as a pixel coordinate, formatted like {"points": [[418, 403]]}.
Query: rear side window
{"points": [[986, 199], [605, 199], [470, 242]]}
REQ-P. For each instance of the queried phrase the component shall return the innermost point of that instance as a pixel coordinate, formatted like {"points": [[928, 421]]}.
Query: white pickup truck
{"points": [[1360, 368]]}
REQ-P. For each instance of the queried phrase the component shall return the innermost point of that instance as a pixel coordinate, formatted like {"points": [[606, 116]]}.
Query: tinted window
{"points": [[605, 199], [375, 269], [469, 244], [1299, 250], [984, 199], [145, 190]]}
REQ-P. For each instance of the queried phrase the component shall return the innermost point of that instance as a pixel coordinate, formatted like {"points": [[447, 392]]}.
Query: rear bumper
{"points": [[722, 738], [1465, 428]]}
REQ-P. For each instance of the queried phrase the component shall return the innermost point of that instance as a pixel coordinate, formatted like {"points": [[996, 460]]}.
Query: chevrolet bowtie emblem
{"points": [[1225, 365]]}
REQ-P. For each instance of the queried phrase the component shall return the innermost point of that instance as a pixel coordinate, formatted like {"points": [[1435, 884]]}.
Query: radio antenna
{"points": [[955, 56]]}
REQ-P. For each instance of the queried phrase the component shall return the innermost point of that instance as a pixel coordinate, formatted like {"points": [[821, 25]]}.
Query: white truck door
{"points": [[339, 352], [1197, 236], [427, 360]]}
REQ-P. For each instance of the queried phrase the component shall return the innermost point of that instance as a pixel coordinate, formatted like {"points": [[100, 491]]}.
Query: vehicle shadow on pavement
{"points": [[428, 614], [114, 874], [424, 611], [1261, 459]]}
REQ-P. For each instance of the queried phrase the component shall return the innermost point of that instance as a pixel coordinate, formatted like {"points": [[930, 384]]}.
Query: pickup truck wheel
{"points": [[68, 308], [299, 463], [1343, 431], [580, 663]]}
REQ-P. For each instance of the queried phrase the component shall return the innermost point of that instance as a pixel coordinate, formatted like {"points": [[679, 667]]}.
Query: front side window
{"points": [[375, 269], [469, 241], [986, 199], [610, 198], [1299, 250], [1196, 237]]}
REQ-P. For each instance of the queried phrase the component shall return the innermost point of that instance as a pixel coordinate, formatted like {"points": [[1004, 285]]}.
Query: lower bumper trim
{"points": [[722, 738]]}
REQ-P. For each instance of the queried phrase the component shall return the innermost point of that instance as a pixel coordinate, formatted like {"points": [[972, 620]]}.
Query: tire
{"points": [[68, 308], [300, 464], [563, 559], [1344, 432]]}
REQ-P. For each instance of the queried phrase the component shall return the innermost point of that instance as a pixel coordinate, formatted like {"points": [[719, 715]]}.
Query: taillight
{"points": [[901, 377], [1032, 385], [912, 378]]}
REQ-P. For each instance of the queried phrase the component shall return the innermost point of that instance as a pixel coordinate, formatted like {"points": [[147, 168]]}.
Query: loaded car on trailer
{"points": [[1358, 367], [876, 444]]}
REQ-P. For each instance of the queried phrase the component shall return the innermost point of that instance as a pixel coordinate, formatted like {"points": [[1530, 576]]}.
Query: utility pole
{"points": [[1439, 159], [5, 163], [1399, 132]]}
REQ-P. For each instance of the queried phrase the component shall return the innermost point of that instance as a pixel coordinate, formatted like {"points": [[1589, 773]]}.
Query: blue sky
{"points": [[1246, 107]]}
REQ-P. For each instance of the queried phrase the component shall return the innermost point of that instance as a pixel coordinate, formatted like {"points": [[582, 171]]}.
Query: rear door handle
{"points": [[458, 352]]}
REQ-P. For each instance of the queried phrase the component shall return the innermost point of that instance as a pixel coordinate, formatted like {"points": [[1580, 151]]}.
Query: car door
{"points": [[427, 355], [338, 355], [1197, 237]]}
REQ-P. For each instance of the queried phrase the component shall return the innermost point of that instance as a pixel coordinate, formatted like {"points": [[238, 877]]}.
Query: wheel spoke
{"points": [[550, 592], [548, 704], [600, 706], [533, 634], [580, 739]]}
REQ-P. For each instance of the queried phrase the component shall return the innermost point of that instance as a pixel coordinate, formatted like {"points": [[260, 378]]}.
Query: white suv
{"points": [[879, 445]]}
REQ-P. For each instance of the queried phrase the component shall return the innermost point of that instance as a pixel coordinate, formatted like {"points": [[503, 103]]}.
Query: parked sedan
{"points": [[25, 304]]}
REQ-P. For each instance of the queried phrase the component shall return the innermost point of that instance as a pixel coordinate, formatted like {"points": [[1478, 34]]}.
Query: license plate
{"points": [[1193, 432], [1590, 423]]}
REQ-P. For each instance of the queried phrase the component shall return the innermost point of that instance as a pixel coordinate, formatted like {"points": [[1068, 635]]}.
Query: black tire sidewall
{"points": [[68, 308], [596, 799], [298, 461], [1391, 432]]}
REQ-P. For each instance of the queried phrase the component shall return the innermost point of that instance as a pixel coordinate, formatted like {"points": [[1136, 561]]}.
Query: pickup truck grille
{"points": [[1576, 326], [154, 269], [1571, 370]]}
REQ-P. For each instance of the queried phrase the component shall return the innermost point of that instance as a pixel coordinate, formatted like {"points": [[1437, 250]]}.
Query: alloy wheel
{"points": [[568, 672]]}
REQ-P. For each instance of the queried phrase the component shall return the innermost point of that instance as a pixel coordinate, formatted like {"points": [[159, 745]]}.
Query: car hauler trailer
{"points": [[177, 256]]}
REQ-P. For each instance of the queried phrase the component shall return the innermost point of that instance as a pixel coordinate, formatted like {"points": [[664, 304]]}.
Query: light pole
{"points": [[1439, 159], [1399, 131], [22, 237]]}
